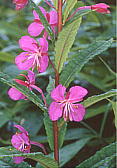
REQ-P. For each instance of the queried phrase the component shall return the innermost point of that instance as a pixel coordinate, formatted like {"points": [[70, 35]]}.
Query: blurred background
{"points": [[98, 76]]}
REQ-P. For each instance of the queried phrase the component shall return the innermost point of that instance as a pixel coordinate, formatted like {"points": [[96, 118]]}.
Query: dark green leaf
{"points": [[64, 43], [77, 133], [94, 99], [69, 6], [39, 157], [80, 59], [101, 159], [69, 151], [8, 163]]}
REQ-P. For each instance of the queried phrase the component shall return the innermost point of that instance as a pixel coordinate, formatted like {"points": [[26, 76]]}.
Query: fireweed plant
{"points": [[57, 26]]}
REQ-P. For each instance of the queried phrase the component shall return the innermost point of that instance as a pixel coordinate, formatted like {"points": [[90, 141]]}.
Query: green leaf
{"points": [[29, 94], [94, 99], [43, 20], [79, 14], [80, 59], [69, 151], [39, 157], [78, 133], [64, 43], [6, 57], [55, 2], [8, 163], [96, 110], [101, 159], [69, 6], [49, 131], [114, 106]]}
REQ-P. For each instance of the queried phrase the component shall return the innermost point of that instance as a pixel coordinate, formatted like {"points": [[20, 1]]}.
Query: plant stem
{"points": [[55, 124]]}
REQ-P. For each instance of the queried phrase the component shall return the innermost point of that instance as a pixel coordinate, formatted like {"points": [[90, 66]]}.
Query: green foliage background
{"points": [[97, 75]]}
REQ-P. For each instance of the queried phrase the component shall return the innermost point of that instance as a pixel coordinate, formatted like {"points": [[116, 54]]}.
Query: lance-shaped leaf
{"points": [[64, 43], [8, 163], [69, 151], [94, 99], [29, 94], [69, 6], [79, 60], [55, 2], [43, 20], [104, 158], [79, 14], [45, 161]]}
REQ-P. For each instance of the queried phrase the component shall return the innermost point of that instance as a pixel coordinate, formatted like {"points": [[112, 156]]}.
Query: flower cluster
{"points": [[35, 55]]}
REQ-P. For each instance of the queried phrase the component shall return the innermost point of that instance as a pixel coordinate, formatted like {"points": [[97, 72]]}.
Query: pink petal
{"points": [[15, 94], [44, 44], [53, 17], [58, 93], [18, 160], [78, 113], [16, 141], [35, 29], [77, 93], [43, 63], [101, 8], [23, 62], [31, 76], [21, 129], [20, 4], [55, 111], [27, 43]]}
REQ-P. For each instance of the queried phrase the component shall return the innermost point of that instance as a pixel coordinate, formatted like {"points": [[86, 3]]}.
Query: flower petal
{"points": [[31, 76], [53, 17], [55, 111], [43, 63], [21, 129], [23, 62], [58, 93], [78, 112], [18, 160], [44, 44], [15, 94], [101, 8], [77, 93], [27, 43], [35, 29]]}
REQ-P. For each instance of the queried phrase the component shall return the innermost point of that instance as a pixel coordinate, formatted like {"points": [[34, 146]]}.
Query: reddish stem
{"points": [[55, 124]]}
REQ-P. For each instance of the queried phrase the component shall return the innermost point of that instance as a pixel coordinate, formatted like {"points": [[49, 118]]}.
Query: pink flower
{"points": [[35, 54], [20, 4], [30, 80], [22, 143], [65, 103], [29, 83], [101, 8], [37, 27]]}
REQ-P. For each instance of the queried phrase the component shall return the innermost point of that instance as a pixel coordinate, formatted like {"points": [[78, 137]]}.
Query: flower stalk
{"points": [[55, 124]]}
